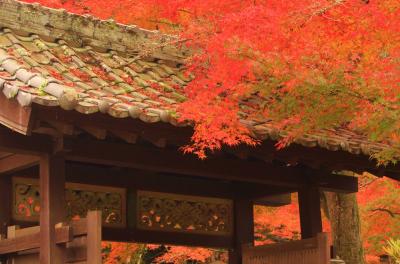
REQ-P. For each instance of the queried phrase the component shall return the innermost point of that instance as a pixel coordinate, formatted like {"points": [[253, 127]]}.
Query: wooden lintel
{"points": [[17, 162], [169, 238], [169, 183], [173, 161], [275, 200], [17, 143]]}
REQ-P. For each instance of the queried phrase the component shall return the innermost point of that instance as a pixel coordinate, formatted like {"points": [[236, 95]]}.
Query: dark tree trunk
{"points": [[345, 222]]}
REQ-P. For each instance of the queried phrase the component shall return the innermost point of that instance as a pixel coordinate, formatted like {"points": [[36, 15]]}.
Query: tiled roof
{"points": [[47, 70], [54, 58], [52, 73]]}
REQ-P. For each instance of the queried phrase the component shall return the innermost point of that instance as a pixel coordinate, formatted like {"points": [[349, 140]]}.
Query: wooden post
{"points": [[310, 211], [53, 207], [244, 229], [93, 241], [5, 206]]}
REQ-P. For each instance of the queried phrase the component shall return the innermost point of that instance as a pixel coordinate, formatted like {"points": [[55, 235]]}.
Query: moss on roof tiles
{"points": [[63, 63]]}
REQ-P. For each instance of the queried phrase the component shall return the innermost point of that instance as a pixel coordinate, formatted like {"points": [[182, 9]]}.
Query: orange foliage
{"points": [[316, 64], [380, 214], [116, 253]]}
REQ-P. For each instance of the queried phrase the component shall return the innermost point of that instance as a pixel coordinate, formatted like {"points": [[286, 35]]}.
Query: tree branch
{"points": [[392, 214]]}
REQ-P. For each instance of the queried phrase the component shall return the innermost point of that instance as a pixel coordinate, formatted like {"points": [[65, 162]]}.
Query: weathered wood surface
{"points": [[56, 23], [80, 241], [172, 161], [52, 206], [93, 238], [16, 162], [307, 251], [310, 211], [5, 208], [27, 239], [14, 116], [244, 229], [14, 142]]}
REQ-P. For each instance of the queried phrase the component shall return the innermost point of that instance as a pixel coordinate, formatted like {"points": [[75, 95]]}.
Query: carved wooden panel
{"points": [[182, 213], [80, 198]]}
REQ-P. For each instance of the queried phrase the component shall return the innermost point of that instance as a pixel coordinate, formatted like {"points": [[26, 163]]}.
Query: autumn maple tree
{"points": [[314, 64], [307, 65]]}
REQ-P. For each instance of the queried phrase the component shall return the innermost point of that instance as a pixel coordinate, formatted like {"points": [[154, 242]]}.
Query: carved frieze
{"points": [[79, 197], [182, 213]]}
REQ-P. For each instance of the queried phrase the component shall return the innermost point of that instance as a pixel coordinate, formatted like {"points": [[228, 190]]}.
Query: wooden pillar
{"points": [[93, 241], [243, 228], [310, 211], [6, 201], [52, 211]]}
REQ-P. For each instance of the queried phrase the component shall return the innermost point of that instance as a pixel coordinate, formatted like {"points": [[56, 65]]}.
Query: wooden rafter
{"points": [[173, 135]]}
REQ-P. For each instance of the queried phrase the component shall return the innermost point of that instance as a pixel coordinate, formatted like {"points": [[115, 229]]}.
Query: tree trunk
{"points": [[345, 222]]}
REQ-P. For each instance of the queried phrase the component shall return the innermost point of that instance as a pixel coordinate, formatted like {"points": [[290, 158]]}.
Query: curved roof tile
{"points": [[54, 58]]}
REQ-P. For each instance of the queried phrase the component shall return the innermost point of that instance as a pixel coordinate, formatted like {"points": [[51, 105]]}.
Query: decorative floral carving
{"points": [[26, 200], [179, 213], [79, 197]]}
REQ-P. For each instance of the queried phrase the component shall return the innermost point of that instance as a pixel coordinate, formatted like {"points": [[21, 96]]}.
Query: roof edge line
{"points": [[87, 30]]}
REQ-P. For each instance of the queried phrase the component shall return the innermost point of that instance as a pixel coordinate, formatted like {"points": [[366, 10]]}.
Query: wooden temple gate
{"points": [[140, 206], [108, 139]]}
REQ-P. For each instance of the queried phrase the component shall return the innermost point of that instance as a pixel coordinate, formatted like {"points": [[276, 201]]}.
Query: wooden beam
{"points": [[52, 202], [173, 161], [166, 182], [32, 241], [310, 211], [14, 116], [163, 237], [244, 229], [5, 154], [17, 162], [17, 143], [317, 157], [275, 200]]}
